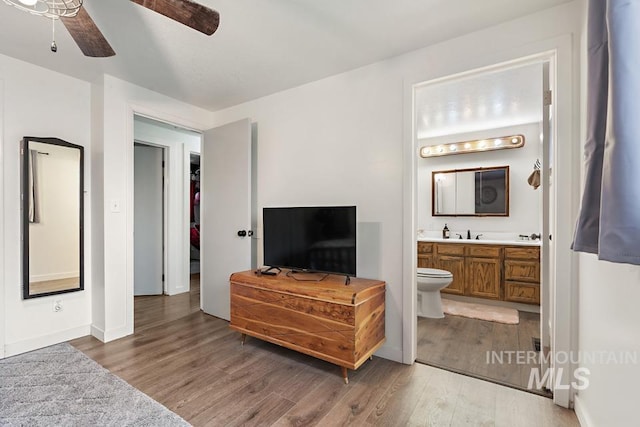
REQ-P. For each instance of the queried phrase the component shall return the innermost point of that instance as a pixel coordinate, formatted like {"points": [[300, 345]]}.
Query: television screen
{"points": [[321, 239]]}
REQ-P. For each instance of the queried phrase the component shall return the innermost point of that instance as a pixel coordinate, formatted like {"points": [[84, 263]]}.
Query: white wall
{"points": [[609, 319], [340, 140], [120, 101], [525, 203], [179, 143], [54, 252], [39, 102]]}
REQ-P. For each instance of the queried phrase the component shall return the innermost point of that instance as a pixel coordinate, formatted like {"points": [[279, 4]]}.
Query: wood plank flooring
{"points": [[194, 364], [461, 345]]}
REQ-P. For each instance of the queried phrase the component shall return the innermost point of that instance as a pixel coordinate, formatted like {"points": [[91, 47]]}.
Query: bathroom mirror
{"points": [[52, 217], [470, 192]]}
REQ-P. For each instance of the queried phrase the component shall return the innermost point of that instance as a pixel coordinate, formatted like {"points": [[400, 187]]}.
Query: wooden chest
{"points": [[342, 324]]}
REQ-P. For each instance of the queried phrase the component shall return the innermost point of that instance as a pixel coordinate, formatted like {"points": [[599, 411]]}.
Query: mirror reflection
{"points": [[52, 216], [471, 192]]}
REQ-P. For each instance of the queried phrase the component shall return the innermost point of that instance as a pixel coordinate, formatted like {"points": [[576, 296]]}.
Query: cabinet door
{"points": [[425, 261], [425, 255], [455, 265], [483, 277]]}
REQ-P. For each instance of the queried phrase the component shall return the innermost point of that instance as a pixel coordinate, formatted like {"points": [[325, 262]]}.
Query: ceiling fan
{"points": [[88, 37]]}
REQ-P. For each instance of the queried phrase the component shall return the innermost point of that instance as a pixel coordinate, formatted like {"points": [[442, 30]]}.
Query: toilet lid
{"points": [[433, 272]]}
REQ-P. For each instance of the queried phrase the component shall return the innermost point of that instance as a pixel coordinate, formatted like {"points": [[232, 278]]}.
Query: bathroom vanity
{"points": [[506, 272]]}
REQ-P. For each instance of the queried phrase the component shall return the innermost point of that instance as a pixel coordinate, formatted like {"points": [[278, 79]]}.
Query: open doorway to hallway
{"points": [[178, 146]]}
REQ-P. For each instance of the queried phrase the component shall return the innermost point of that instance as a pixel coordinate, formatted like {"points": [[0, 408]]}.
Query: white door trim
{"points": [[3, 309], [132, 111], [565, 80]]}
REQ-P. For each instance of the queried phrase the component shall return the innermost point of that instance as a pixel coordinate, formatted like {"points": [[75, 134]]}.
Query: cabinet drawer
{"points": [[451, 249], [527, 271], [522, 252], [527, 293], [425, 248], [483, 251]]}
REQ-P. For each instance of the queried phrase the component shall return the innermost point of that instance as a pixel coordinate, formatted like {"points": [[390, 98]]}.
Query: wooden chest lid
{"points": [[332, 288]]}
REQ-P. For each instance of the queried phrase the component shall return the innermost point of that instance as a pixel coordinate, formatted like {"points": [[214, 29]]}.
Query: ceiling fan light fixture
{"points": [[53, 9]]}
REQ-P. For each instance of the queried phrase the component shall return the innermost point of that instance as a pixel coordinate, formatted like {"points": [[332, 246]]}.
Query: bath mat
{"points": [[481, 311]]}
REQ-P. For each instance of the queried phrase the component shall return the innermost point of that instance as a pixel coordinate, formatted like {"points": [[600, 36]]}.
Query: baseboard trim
{"points": [[115, 334], [581, 412], [46, 340], [97, 332], [391, 353]]}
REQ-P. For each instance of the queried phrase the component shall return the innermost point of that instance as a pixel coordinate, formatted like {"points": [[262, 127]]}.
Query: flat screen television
{"points": [[316, 239]]}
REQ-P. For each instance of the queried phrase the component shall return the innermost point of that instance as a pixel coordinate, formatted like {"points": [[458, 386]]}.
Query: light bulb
{"points": [[28, 2]]}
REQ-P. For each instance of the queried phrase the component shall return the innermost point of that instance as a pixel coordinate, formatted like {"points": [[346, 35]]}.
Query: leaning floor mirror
{"points": [[52, 217]]}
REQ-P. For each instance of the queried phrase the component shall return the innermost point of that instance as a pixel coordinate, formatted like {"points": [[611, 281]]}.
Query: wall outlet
{"points": [[57, 306]]}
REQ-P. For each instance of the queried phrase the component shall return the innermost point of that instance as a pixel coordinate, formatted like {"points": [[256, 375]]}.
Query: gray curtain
{"points": [[609, 221]]}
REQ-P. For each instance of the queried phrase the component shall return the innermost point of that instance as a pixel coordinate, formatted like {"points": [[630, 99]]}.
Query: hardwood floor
{"points": [[194, 364], [461, 345]]}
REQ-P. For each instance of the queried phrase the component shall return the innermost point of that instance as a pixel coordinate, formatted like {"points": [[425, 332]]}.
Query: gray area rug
{"points": [[61, 386]]}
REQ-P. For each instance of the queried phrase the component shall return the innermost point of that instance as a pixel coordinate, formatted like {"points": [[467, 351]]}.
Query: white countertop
{"points": [[481, 241]]}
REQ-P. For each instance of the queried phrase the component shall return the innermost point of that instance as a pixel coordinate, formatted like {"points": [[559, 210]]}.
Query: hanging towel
{"points": [[534, 179]]}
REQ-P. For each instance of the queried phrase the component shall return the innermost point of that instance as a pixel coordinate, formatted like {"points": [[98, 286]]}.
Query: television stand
{"points": [[343, 325]]}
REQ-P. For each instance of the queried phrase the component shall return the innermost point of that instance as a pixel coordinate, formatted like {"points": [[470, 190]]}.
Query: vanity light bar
{"points": [[487, 144]]}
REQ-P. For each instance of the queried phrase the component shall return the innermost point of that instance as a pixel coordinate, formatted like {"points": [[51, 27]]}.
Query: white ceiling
{"points": [[486, 101], [261, 46]]}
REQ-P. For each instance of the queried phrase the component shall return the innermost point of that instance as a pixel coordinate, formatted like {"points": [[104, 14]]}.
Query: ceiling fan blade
{"points": [[87, 36], [187, 12]]}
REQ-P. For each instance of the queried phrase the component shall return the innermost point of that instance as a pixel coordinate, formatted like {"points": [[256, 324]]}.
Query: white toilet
{"points": [[430, 281]]}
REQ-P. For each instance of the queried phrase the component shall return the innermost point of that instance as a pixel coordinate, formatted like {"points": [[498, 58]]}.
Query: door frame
{"points": [[134, 110], [563, 304], [165, 222], [2, 205]]}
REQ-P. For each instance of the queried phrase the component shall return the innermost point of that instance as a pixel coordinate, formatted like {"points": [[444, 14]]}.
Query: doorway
{"points": [[226, 167], [501, 100], [149, 220]]}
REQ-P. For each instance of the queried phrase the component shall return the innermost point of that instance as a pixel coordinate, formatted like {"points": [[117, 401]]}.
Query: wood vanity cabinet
{"points": [[451, 258], [508, 273], [522, 274], [425, 255]]}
